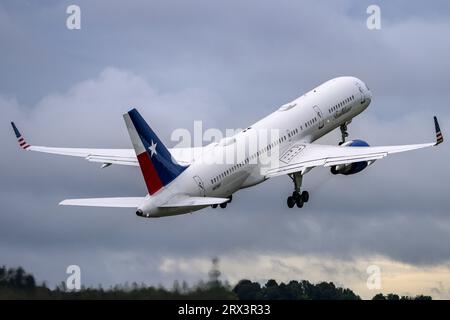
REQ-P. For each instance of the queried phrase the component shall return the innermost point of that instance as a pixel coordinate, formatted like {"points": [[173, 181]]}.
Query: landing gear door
{"points": [[200, 185], [319, 116]]}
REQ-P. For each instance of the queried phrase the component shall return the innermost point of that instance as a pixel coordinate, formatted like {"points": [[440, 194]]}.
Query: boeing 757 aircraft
{"points": [[183, 180]]}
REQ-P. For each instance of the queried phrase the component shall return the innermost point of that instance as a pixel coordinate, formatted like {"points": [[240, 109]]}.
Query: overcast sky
{"points": [[227, 63]]}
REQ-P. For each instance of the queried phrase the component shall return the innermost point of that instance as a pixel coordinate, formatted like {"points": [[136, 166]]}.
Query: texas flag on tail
{"points": [[157, 165]]}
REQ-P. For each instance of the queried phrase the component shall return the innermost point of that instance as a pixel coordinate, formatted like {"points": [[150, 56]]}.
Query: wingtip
{"points": [[16, 131], [63, 203], [20, 139], [439, 136]]}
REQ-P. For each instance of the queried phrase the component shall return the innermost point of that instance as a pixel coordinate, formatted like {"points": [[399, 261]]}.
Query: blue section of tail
{"points": [[162, 160]]}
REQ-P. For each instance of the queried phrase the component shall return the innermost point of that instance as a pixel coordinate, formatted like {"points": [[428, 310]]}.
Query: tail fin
{"points": [[157, 165]]}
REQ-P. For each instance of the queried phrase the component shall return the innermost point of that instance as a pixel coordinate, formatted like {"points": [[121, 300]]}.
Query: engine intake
{"points": [[355, 167]]}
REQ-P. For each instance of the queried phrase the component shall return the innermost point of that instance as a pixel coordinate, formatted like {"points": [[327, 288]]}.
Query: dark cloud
{"points": [[227, 65]]}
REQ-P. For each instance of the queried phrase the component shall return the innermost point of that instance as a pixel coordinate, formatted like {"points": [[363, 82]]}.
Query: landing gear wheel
{"points": [[299, 202], [223, 205], [298, 198], [214, 206], [305, 196], [290, 202]]}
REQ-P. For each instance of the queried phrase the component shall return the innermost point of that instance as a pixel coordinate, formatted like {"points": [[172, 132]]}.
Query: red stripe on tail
{"points": [[150, 175]]}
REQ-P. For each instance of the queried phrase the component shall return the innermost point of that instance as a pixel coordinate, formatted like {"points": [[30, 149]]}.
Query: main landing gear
{"points": [[298, 198], [223, 205], [344, 132]]}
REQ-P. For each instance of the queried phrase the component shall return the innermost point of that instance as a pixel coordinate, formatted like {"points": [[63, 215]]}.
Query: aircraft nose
{"points": [[369, 95], [367, 92]]}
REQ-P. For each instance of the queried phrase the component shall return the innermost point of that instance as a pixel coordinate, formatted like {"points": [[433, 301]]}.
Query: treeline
{"points": [[16, 283]]}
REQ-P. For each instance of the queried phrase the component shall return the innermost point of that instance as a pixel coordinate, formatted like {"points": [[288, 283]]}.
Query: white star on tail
{"points": [[152, 149]]}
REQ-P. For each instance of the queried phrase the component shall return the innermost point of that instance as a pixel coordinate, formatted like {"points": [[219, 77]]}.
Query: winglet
{"points": [[22, 143], [16, 131], [439, 137]]}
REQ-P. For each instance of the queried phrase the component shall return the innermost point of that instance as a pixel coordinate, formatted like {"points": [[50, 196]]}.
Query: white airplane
{"points": [[183, 180]]}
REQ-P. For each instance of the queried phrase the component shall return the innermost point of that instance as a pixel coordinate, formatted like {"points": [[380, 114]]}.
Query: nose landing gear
{"points": [[297, 198]]}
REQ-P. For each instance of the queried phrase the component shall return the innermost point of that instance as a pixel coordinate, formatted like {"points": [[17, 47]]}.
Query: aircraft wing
{"points": [[301, 157], [132, 202], [186, 201], [105, 156]]}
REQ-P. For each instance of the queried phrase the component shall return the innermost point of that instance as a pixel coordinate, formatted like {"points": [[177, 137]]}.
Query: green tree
{"points": [[379, 296], [247, 290]]}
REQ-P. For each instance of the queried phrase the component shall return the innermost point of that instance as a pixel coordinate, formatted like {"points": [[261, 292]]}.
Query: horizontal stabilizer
{"points": [[193, 202], [132, 202]]}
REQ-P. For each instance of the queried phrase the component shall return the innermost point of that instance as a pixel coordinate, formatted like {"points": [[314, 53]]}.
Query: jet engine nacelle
{"points": [[355, 167]]}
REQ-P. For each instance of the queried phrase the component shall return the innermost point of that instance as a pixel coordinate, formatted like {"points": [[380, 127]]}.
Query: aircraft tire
{"points": [[305, 196], [299, 202], [290, 202]]}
